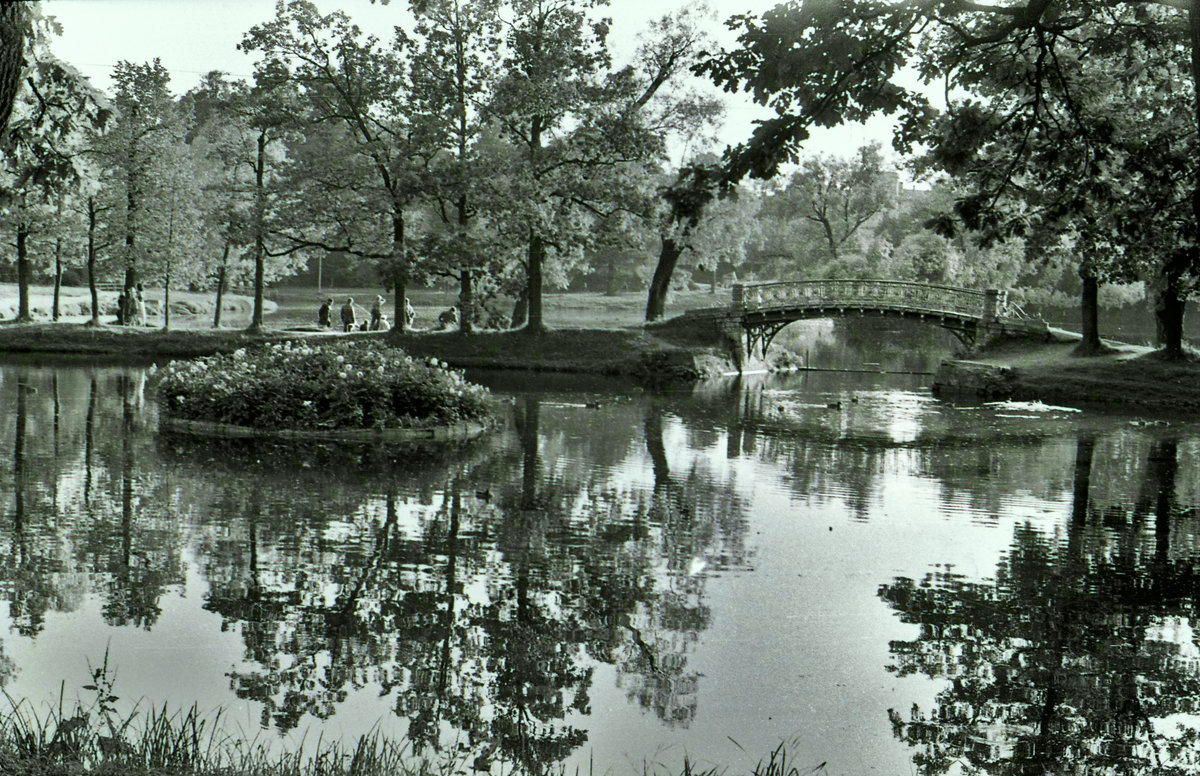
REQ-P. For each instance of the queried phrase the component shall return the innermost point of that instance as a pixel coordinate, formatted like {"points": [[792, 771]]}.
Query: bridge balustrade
{"points": [[880, 294]]}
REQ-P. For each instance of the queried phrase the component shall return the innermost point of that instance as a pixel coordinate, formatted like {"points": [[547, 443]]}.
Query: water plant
{"points": [[346, 385]]}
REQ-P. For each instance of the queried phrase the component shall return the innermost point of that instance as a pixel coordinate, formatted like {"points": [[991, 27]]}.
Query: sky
{"points": [[193, 37]]}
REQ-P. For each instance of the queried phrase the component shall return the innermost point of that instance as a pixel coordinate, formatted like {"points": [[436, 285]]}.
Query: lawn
{"points": [[585, 310], [292, 306]]}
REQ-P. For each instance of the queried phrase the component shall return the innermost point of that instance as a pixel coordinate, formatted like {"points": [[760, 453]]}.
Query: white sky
{"points": [[193, 37]]}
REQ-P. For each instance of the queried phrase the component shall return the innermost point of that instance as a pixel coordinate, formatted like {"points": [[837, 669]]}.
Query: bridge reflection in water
{"points": [[758, 312]]}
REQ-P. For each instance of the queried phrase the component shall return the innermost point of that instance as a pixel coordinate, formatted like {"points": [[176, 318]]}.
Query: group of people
{"points": [[378, 321], [349, 316], [131, 307]]}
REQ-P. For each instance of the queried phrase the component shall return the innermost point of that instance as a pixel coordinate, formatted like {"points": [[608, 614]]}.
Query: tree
{"points": [[43, 156], [585, 135], [453, 72], [243, 140], [840, 195], [355, 81], [266, 110], [218, 137], [14, 27], [685, 199], [176, 231], [1026, 51], [723, 236], [1101, 161], [555, 53], [146, 124], [669, 48]]}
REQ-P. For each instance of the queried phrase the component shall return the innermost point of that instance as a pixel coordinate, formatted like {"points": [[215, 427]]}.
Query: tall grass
{"points": [[187, 743], [89, 738], [92, 737]]}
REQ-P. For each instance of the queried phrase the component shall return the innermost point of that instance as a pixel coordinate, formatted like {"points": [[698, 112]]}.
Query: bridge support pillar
{"points": [[991, 323], [994, 302], [732, 334]]}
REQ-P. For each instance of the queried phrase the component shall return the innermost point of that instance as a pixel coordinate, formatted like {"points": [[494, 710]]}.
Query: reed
{"points": [[90, 736], [84, 739]]}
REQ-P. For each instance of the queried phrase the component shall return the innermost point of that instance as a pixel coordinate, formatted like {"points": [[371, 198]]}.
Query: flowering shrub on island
{"points": [[298, 386]]}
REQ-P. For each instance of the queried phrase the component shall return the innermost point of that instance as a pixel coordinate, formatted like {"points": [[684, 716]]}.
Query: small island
{"points": [[351, 391]]}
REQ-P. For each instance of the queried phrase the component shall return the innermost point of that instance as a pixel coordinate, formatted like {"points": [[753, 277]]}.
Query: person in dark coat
{"points": [[325, 314], [348, 319]]}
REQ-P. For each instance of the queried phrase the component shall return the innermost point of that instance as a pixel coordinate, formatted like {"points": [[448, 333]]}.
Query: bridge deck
{"points": [[885, 295]]}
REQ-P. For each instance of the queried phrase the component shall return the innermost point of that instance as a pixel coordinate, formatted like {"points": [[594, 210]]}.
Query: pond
{"points": [[618, 579]]}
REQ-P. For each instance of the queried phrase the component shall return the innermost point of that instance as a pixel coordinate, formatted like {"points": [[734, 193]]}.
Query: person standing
{"points": [[410, 314], [325, 314], [377, 322], [348, 314]]}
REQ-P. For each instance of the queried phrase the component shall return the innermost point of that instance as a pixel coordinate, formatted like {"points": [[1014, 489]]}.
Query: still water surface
{"points": [[889, 585]]}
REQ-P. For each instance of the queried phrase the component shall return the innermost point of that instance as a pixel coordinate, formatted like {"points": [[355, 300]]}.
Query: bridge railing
{"points": [[885, 294]]}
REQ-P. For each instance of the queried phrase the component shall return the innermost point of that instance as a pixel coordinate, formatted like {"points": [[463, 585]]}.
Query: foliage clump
{"points": [[301, 386]]}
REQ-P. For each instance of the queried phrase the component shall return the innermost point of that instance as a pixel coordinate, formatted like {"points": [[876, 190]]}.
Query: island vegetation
{"points": [[303, 386]]}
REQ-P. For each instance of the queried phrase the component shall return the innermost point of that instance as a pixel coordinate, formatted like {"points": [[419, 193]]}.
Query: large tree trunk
{"points": [[166, 309], [222, 271], [58, 273], [1168, 312], [533, 292], [1089, 309], [131, 206], [260, 270], [12, 56], [24, 273], [91, 261], [660, 284], [466, 302], [537, 246], [1172, 303], [689, 196]]}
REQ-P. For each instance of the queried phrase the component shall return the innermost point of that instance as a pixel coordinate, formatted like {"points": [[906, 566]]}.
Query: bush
{"points": [[301, 386]]}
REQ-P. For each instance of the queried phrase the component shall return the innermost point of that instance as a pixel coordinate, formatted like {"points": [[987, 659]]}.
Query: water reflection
{"points": [[676, 553], [477, 587], [1081, 651]]}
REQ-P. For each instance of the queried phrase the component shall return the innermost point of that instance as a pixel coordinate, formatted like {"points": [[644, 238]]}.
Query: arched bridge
{"points": [[758, 312]]}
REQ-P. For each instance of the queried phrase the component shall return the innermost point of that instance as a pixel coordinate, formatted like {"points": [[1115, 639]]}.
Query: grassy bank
{"points": [[623, 352], [626, 352], [1131, 377], [590, 333], [111, 340]]}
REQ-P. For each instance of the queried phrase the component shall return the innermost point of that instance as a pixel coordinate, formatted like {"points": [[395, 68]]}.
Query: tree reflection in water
{"points": [[479, 588], [1077, 656]]}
